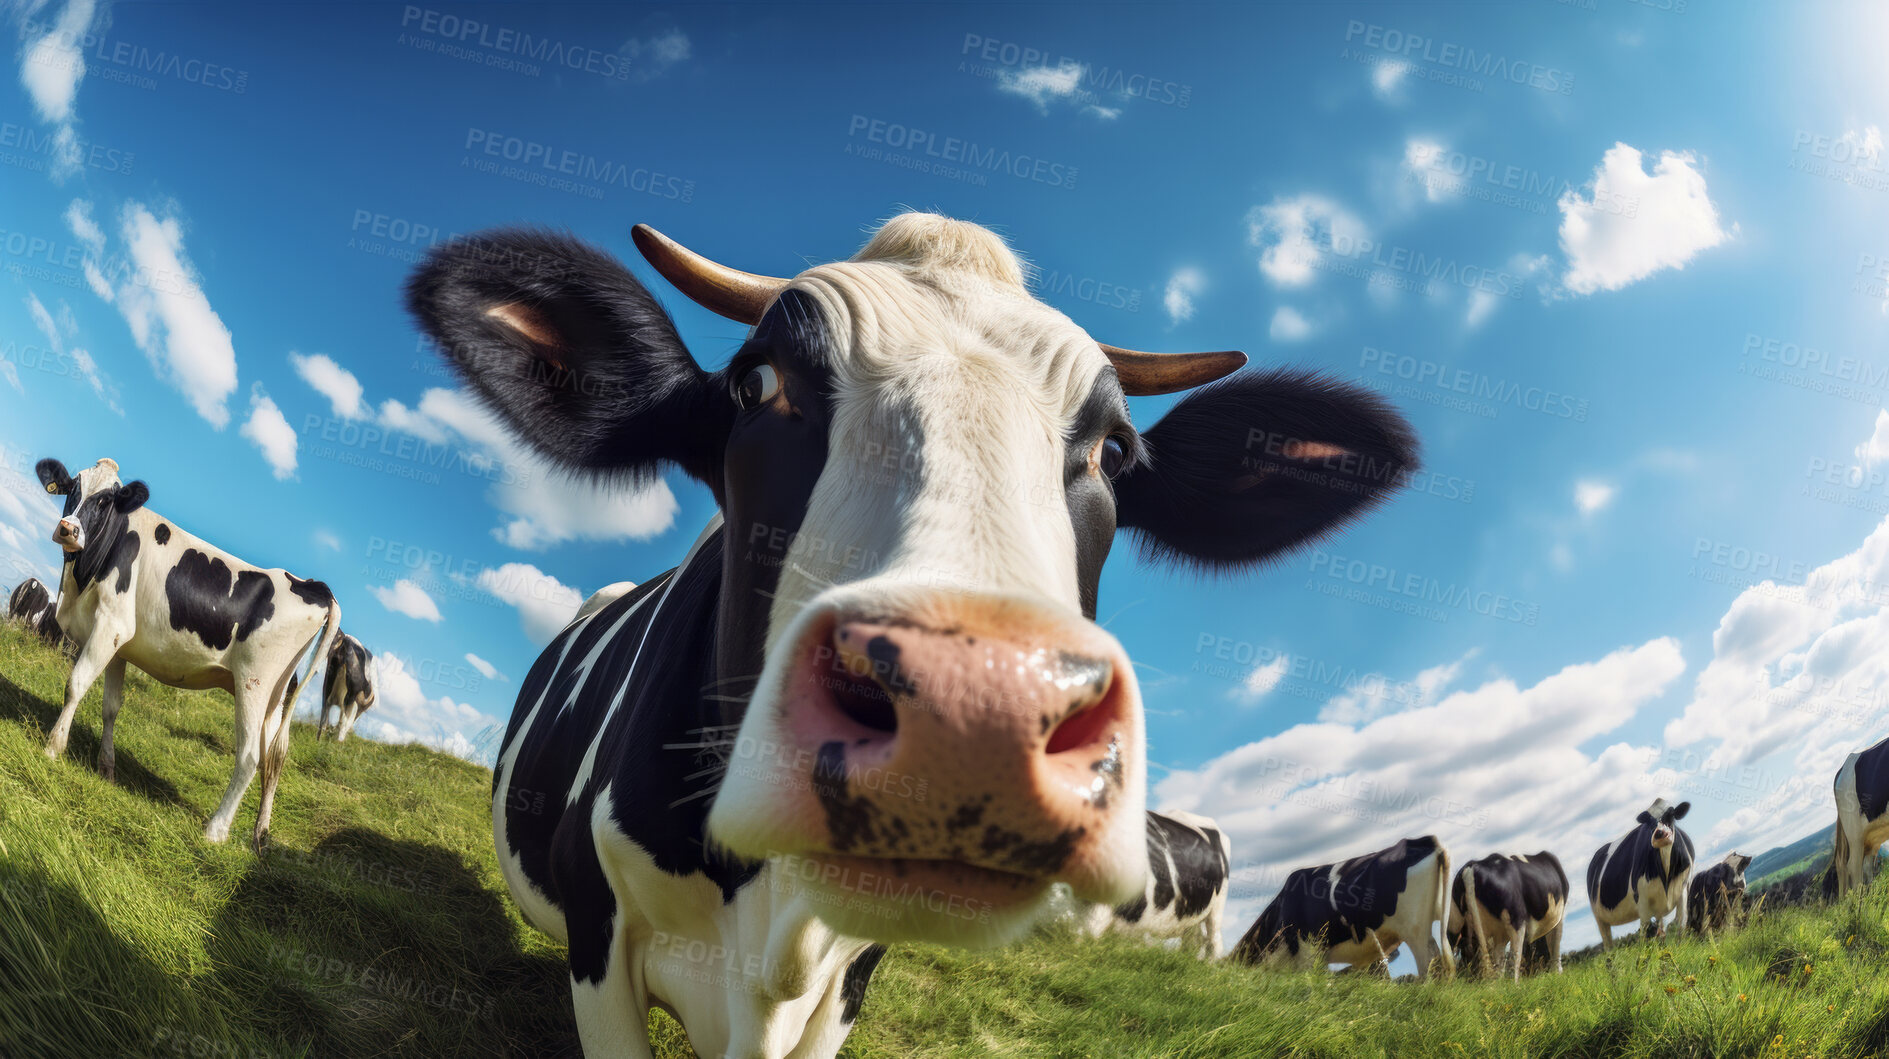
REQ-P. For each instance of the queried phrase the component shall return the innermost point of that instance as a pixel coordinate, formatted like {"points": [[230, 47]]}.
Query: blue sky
{"points": [[1620, 263]]}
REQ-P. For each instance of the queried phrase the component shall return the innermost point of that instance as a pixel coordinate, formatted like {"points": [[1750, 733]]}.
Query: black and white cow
{"points": [[1862, 796], [33, 606], [1642, 875], [1358, 911], [1508, 900], [1189, 863], [349, 687], [137, 589], [1715, 898], [872, 703]]}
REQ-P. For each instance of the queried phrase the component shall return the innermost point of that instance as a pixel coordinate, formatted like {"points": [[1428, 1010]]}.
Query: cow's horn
{"points": [[740, 296], [1145, 374]]}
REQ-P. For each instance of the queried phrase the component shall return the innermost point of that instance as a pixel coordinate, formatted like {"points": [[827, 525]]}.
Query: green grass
{"points": [[378, 926]]}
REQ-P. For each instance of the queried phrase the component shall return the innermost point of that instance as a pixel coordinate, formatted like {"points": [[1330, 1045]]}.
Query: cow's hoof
{"points": [[108, 772], [260, 842], [216, 834]]}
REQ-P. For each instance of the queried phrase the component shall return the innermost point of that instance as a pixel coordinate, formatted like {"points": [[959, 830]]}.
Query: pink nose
{"points": [[1000, 740], [66, 528]]}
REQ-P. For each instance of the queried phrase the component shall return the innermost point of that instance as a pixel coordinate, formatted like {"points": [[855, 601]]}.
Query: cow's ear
{"points": [[1643, 819], [131, 497], [563, 344], [1248, 468], [52, 475], [1680, 810]]}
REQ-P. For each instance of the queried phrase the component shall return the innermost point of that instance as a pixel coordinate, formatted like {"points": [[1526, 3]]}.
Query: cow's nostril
{"points": [[863, 702]]}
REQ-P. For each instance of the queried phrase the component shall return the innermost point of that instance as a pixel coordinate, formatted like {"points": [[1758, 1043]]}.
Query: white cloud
{"points": [[1631, 225], [1497, 766], [1260, 682], [485, 668], [1876, 449], [404, 713], [1288, 325], [1591, 496], [1375, 695], [1865, 143], [1178, 298], [269, 430], [407, 598], [161, 298], [1420, 162], [27, 514], [12, 375], [1104, 113], [1388, 77], [328, 540], [545, 605], [57, 332], [1293, 232], [651, 57], [334, 382], [51, 67], [1042, 84]]}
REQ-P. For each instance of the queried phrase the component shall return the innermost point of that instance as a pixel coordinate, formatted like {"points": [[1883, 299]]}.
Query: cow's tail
{"points": [[330, 630], [1443, 908]]}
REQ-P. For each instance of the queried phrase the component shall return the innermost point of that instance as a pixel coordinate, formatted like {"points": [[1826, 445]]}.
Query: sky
{"points": [[1622, 264]]}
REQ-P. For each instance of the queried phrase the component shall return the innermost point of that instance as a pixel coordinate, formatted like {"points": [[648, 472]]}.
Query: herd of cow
{"points": [[872, 704]]}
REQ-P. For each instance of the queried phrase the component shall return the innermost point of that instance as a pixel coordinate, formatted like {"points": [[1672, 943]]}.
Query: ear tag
{"points": [[52, 487]]}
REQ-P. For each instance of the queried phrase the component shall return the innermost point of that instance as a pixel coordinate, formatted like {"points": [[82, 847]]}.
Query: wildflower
{"points": [[1807, 969], [1741, 998], [1831, 1008], [1713, 960], [1671, 989], [1692, 979]]}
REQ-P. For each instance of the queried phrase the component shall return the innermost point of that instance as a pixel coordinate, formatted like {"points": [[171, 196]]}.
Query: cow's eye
{"points": [[758, 386], [1111, 456]]}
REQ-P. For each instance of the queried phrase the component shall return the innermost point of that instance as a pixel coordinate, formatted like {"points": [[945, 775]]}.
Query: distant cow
{"points": [[1505, 904], [1716, 896], [32, 606], [872, 703], [137, 589], [1189, 862], [1643, 874], [350, 686], [1359, 910], [1862, 795]]}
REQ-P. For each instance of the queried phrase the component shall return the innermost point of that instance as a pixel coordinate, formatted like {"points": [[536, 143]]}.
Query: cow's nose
{"points": [[1004, 737]]}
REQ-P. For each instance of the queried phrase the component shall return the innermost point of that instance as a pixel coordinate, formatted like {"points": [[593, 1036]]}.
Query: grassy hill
{"points": [[378, 926], [1779, 861]]}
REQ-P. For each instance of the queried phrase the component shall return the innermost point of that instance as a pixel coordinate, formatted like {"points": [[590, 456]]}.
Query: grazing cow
{"points": [[1189, 862], [1642, 875], [1358, 911], [1507, 899], [872, 703], [136, 588], [32, 606], [1862, 795], [350, 686], [1716, 896]]}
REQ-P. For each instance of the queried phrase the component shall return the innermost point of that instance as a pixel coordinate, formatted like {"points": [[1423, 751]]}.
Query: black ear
{"points": [[52, 475], [558, 339], [1247, 468], [1680, 810], [131, 497], [1644, 819]]}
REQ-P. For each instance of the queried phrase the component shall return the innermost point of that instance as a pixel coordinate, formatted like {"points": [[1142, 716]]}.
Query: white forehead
{"points": [[101, 475]]}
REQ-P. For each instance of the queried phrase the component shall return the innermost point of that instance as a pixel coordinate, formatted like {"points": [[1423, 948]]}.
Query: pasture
{"points": [[377, 925]]}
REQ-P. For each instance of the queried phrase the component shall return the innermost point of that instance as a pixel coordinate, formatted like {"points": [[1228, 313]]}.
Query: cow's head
{"points": [[921, 468], [96, 505], [1737, 862], [1663, 819]]}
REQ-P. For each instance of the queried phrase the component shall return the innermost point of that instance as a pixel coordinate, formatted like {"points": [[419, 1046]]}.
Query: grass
{"points": [[378, 925]]}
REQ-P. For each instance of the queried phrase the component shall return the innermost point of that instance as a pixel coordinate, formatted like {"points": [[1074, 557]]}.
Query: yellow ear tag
{"points": [[52, 487]]}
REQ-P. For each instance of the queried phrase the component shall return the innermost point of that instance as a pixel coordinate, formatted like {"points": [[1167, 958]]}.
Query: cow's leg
{"points": [[1554, 946], [114, 698], [1518, 945], [275, 753], [349, 714], [97, 654], [613, 1012], [1679, 913], [1211, 928], [252, 705], [322, 720], [1606, 935]]}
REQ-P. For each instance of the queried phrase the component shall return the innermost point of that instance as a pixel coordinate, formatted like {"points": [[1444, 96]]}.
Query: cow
{"points": [[872, 703], [1862, 796], [603, 597], [1189, 864], [33, 606], [1358, 911], [136, 588], [1715, 898], [1643, 874], [1512, 900], [349, 686]]}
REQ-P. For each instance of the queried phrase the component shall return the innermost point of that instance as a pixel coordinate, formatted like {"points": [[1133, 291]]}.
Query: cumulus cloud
{"points": [[1042, 84], [408, 598], [334, 382], [485, 668], [1260, 682], [1498, 766], [1591, 496], [1288, 325], [404, 713], [1293, 232], [270, 432], [1631, 224], [1876, 449], [27, 514], [1374, 696], [545, 605], [51, 67], [1420, 162], [651, 57], [1178, 298]]}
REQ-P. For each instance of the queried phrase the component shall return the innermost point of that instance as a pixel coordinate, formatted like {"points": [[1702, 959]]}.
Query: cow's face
{"points": [[922, 469], [1738, 862], [1663, 818], [95, 502]]}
